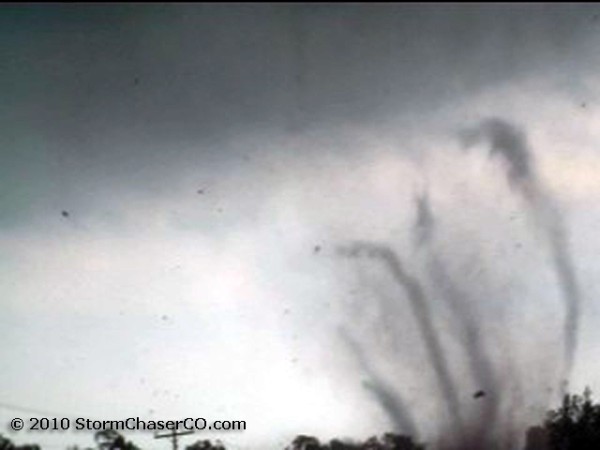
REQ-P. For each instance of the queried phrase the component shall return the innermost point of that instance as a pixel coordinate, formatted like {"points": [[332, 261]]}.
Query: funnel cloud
{"points": [[509, 143], [493, 420]]}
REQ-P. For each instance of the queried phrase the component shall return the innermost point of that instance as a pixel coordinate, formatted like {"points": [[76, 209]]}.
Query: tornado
{"points": [[509, 143], [455, 298], [422, 314], [391, 402]]}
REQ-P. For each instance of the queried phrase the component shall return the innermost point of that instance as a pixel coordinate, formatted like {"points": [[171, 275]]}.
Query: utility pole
{"points": [[173, 435]]}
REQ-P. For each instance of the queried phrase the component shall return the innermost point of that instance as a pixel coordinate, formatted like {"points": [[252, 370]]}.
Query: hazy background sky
{"points": [[209, 159]]}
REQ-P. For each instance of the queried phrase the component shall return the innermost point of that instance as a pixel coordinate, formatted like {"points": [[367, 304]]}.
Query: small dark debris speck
{"points": [[317, 249], [65, 213], [479, 394]]}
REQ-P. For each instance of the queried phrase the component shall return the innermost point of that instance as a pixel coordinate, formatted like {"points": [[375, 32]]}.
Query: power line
{"points": [[173, 435]]}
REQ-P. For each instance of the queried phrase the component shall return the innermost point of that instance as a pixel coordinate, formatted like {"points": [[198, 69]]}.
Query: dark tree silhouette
{"points": [[205, 445], [303, 442], [573, 426], [112, 440], [576, 424], [7, 444], [393, 441], [388, 441], [537, 439]]}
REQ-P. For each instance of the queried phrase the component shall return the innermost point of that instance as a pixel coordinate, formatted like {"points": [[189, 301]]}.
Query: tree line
{"points": [[575, 425]]}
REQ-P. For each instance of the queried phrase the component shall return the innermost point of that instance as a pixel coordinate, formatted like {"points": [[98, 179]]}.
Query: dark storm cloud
{"points": [[129, 94], [185, 72]]}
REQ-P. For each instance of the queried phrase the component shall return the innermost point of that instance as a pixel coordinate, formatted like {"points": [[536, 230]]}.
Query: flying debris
{"points": [[479, 394], [317, 249], [65, 213]]}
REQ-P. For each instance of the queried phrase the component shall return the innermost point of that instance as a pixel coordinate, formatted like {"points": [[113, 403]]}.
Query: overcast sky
{"points": [[175, 180]]}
